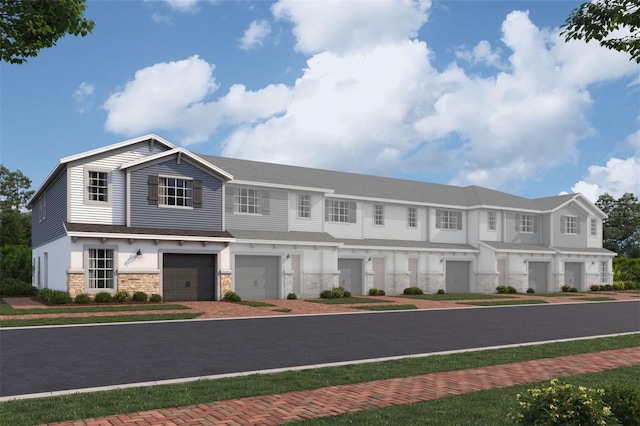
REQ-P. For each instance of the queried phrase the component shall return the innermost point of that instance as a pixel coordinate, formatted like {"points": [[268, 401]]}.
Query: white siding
{"points": [[395, 223], [483, 231], [313, 224], [346, 230], [447, 235], [114, 213]]}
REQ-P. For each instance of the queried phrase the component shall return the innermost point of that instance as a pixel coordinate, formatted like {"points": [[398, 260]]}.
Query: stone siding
{"points": [[433, 283], [519, 281], [75, 284], [398, 282], [486, 283], [148, 283], [225, 283]]}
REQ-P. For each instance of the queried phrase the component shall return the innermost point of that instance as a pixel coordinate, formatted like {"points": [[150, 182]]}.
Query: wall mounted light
{"points": [[138, 253], [369, 259], [288, 255]]}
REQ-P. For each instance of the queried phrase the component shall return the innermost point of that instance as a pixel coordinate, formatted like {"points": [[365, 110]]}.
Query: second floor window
{"points": [[247, 200], [304, 206], [594, 227], [491, 221], [378, 214], [42, 211], [448, 219], [525, 223], [98, 186], [175, 192], [412, 217], [340, 211]]}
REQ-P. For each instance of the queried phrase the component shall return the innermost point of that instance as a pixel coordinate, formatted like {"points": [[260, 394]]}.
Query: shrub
{"points": [[573, 290], [102, 297], [624, 401], [501, 289], [292, 296], [376, 292], [565, 288], [619, 285], [55, 297], [121, 296], [608, 287], [337, 292], [594, 287], [83, 298], [627, 269], [347, 293], [440, 291], [564, 404], [231, 296], [156, 298], [139, 296], [326, 294], [413, 290], [530, 290], [511, 289], [14, 287], [15, 261]]}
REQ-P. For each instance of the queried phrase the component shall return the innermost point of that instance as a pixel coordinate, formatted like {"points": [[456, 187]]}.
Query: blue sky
{"points": [[462, 92]]}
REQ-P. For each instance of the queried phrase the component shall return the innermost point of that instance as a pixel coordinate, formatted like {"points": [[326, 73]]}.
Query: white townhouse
{"points": [[145, 215]]}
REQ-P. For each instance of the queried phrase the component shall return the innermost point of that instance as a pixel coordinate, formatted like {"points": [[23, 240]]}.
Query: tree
{"points": [[599, 19], [14, 189], [27, 26], [621, 230]]}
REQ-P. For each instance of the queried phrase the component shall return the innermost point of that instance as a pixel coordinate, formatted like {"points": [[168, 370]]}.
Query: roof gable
{"points": [[181, 153]]}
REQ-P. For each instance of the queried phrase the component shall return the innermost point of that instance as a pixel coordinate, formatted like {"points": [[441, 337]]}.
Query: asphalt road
{"points": [[62, 358]]}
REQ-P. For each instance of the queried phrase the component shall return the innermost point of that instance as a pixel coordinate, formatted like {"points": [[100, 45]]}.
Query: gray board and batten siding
{"points": [[146, 214], [273, 216], [52, 226]]}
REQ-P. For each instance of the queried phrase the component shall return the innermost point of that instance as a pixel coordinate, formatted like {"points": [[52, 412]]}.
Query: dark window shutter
{"points": [[438, 219], [459, 214], [197, 194], [563, 219], [265, 202], [352, 212], [578, 222], [153, 190], [535, 224], [229, 193], [517, 223], [327, 207]]}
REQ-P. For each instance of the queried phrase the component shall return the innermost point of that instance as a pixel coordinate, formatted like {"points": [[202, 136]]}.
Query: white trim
{"points": [[180, 152], [114, 236], [282, 186]]}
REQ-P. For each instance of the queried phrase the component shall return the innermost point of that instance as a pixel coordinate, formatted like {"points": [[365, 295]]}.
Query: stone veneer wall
{"points": [[148, 283], [314, 284], [558, 282], [432, 283], [398, 282], [519, 281], [486, 283], [75, 284], [225, 283]]}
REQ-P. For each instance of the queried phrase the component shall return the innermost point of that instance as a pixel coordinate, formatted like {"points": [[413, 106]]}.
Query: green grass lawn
{"points": [[88, 405], [454, 296], [6, 309], [386, 307], [506, 302], [563, 294], [96, 319], [254, 303], [348, 300]]}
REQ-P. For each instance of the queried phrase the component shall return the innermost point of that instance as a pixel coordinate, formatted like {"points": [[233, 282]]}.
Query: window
{"points": [[604, 272], [175, 192], [571, 225], [412, 217], [42, 210], [448, 219], [100, 269], [491, 221], [247, 200], [340, 211], [97, 186], [378, 214], [594, 227], [304, 206], [525, 223]]}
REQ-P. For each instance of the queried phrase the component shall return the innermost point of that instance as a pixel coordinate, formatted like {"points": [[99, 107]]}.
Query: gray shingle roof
{"points": [[291, 236], [404, 244], [367, 186], [518, 247], [122, 229]]}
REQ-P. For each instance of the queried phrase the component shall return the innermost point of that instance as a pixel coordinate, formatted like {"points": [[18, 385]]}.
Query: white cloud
{"points": [[81, 96], [161, 19], [255, 34], [617, 177], [482, 53], [342, 26], [183, 5]]}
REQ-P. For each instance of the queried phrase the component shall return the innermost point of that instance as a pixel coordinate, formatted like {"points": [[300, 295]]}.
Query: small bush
{"points": [[413, 290], [573, 290], [440, 291], [231, 296], [121, 296], [624, 401], [376, 292], [10, 286], [292, 296], [619, 285], [565, 288], [55, 297], [511, 290], [139, 296], [501, 289], [337, 292], [326, 294], [347, 293], [530, 290], [102, 297], [563, 404], [155, 298], [595, 287], [608, 287], [83, 298]]}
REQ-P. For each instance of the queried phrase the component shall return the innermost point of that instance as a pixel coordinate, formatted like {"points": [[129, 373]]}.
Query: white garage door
{"points": [[257, 277]]}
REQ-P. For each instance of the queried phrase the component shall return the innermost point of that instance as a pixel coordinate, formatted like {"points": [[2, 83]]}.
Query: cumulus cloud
{"points": [[482, 53], [82, 96], [255, 34], [183, 5], [617, 177]]}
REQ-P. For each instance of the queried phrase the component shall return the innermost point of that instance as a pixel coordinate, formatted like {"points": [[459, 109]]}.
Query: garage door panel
{"points": [[187, 277], [538, 276], [257, 277], [457, 276]]}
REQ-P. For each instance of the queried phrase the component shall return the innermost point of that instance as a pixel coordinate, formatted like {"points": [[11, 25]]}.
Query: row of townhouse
{"points": [[145, 215]]}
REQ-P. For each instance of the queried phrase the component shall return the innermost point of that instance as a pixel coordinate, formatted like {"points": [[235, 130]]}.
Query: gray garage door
{"points": [[457, 276], [351, 275], [538, 276], [258, 277], [188, 277], [573, 274]]}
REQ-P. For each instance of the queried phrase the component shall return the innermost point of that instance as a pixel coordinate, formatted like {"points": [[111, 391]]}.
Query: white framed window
{"points": [[97, 186], [593, 227], [340, 211], [604, 272], [247, 200], [42, 209], [448, 219], [175, 192], [412, 217], [571, 225], [304, 206], [100, 269], [526, 223], [491, 221], [378, 214]]}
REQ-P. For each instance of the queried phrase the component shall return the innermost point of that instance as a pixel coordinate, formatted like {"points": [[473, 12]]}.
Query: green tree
{"points": [[621, 229], [15, 189], [599, 19], [27, 26]]}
